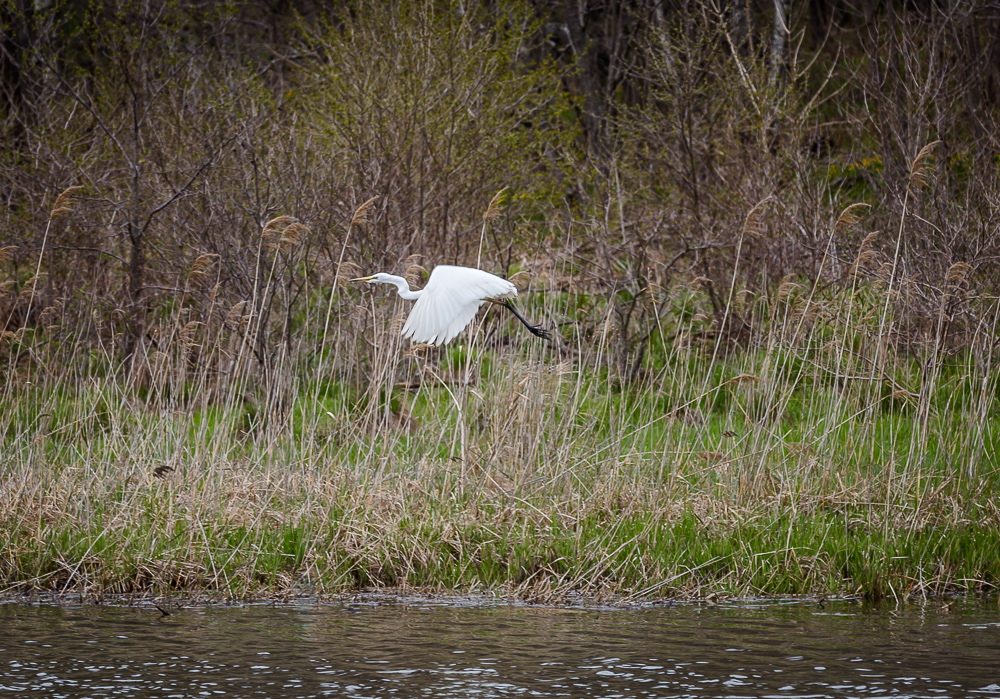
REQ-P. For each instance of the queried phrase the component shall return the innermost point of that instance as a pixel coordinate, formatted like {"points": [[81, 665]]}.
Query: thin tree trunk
{"points": [[779, 41], [589, 76], [739, 22]]}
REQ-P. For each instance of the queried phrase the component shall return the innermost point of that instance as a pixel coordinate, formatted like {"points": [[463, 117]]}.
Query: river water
{"points": [[429, 649]]}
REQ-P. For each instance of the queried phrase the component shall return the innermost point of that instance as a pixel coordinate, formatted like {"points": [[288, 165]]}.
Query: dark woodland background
{"points": [[633, 139]]}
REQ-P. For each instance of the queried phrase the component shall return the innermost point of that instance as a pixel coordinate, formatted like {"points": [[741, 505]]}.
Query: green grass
{"points": [[638, 555], [753, 475]]}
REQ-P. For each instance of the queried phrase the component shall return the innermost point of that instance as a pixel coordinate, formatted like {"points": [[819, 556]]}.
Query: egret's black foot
{"points": [[536, 330], [539, 331]]}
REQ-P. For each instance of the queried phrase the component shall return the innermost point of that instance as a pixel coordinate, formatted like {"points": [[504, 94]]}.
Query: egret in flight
{"points": [[449, 301]]}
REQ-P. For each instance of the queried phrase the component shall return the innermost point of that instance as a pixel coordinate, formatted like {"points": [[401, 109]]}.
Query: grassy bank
{"points": [[812, 459], [770, 274]]}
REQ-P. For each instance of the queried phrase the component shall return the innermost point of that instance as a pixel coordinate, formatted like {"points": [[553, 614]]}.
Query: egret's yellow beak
{"points": [[363, 279]]}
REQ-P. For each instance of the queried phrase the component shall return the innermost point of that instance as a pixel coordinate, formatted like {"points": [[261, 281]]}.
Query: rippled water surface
{"points": [[432, 650]]}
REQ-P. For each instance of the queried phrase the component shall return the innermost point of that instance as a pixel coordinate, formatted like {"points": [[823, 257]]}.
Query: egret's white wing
{"points": [[449, 302]]}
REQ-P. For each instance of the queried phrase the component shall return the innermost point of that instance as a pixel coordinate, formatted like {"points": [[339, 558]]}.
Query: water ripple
{"points": [[395, 651]]}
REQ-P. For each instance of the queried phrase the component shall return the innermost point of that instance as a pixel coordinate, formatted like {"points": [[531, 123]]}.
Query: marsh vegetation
{"points": [[770, 269]]}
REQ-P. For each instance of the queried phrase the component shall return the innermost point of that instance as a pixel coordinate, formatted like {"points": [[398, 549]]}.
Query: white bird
{"points": [[449, 301]]}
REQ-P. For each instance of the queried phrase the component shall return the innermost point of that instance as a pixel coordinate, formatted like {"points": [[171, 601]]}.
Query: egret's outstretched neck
{"points": [[403, 288]]}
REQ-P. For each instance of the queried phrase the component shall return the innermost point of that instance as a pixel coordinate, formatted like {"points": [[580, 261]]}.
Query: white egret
{"points": [[449, 301]]}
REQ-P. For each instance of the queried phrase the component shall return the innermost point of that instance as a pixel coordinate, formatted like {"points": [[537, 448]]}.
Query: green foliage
{"points": [[447, 104]]}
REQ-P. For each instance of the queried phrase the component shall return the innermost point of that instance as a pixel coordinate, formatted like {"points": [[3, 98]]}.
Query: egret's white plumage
{"points": [[449, 301]]}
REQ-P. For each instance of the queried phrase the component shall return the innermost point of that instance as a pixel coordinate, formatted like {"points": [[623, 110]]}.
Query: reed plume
{"points": [[920, 168], [492, 213], [63, 207], [787, 287], [360, 217], [292, 236], [273, 227], [188, 333], [866, 252], [849, 216], [958, 274], [496, 204], [361, 213], [199, 268], [753, 225], [65, 202]]}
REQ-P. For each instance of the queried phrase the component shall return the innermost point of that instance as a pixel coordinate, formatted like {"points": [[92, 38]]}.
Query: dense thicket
{"points": [[633, 139]]}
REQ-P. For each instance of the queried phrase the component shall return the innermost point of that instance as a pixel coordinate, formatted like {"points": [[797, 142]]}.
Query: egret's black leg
{"points": [[536, 330]]}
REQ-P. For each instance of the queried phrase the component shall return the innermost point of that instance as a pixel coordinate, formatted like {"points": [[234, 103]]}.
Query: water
{"points": [[432, 650]]}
